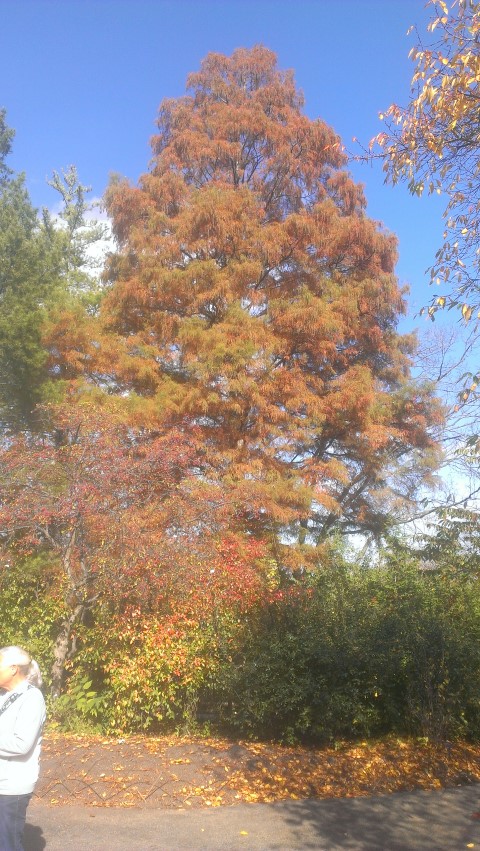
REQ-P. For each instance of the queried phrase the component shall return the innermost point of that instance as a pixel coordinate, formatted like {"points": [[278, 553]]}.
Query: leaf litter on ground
{"points": [[177, 772]]}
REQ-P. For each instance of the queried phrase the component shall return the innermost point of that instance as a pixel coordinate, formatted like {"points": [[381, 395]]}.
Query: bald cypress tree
{"points": [[254, 300]]}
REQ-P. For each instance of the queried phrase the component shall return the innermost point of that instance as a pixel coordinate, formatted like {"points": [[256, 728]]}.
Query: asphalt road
{"points": [[447, 820]]}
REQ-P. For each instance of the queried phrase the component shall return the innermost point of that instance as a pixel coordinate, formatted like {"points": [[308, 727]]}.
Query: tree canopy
{"points": [[252, 299]]}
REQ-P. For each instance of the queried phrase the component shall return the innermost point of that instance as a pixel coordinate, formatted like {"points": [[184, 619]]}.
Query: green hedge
{"points": [[359, 653]]}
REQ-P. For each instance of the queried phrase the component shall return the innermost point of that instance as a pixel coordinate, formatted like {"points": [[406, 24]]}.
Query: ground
{"points": [[178, 772]]}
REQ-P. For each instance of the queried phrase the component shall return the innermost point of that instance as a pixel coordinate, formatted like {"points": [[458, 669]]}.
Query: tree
{"points": [[42, 266], [80, 234], [6, 136], [29, 277], [453, 545], [433, 145], [118, 513], [29, 274], [254, 301]]}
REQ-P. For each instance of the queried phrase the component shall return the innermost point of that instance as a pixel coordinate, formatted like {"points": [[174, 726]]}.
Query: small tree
{"points": [[79, 233], [113, 506]]}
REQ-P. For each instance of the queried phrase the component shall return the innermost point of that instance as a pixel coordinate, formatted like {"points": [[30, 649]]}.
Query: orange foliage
{"points": [[253, 302]]}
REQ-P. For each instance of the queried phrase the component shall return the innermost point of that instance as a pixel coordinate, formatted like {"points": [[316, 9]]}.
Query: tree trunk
{"points": [[62, 649]]}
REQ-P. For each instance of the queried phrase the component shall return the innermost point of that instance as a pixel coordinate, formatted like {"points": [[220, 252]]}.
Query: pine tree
{"points": [[43, 266], [29, 277]]}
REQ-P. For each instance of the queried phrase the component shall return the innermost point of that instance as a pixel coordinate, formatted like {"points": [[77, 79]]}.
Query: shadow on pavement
{"points": [[33, 838], [441, 820], [397, 822]]}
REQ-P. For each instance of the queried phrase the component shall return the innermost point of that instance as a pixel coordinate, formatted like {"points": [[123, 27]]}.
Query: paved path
{"points": [[448, 820]]}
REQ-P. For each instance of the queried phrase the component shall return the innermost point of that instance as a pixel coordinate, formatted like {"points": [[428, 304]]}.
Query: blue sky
{"points": [[82, 80]]}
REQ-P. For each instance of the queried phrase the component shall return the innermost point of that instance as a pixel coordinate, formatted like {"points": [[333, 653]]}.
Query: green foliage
{"points": [[42, 265], [348, 652], [454, 543], [80, 709], [31, 607], [6, 136], [76, 236], [29, 280], [359, 652]]}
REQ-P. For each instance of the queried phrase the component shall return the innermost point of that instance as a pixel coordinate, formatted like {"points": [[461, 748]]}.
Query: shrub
{"points": [[31, 606], [359, 653]]}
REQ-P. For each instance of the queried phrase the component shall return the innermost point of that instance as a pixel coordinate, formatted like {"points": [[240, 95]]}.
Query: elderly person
{"points": [[22, 715]]}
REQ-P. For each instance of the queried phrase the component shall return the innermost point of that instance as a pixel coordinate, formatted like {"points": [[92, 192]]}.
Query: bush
{"points": [[345, 653], [359, 653], [144, 673], [31, 607]]}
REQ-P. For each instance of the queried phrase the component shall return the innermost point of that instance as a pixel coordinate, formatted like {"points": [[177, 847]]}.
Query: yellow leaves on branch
{"points": [[433, 143]]}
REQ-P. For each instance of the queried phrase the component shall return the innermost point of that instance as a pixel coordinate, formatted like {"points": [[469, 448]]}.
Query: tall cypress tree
{"points": [[254, 300]]}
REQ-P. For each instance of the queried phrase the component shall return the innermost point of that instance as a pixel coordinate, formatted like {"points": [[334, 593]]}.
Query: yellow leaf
{"points": [[243, 833]]}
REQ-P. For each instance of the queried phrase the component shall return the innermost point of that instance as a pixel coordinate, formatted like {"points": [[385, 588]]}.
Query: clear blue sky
{"points": [[82, 80]]}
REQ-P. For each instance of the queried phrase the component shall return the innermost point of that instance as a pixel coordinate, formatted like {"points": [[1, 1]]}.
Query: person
{"points": [[22, 716]]}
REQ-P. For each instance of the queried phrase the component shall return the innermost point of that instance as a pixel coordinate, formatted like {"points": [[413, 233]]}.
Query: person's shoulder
{"points": [[34, 695]]}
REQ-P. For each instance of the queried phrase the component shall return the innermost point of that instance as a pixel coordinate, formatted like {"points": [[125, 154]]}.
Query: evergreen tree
{"points": [[42, 265], [6, 136], [29, 278]]}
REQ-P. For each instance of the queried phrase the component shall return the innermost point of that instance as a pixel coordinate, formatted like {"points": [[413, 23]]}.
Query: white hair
{"points": [[27, 666]]}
